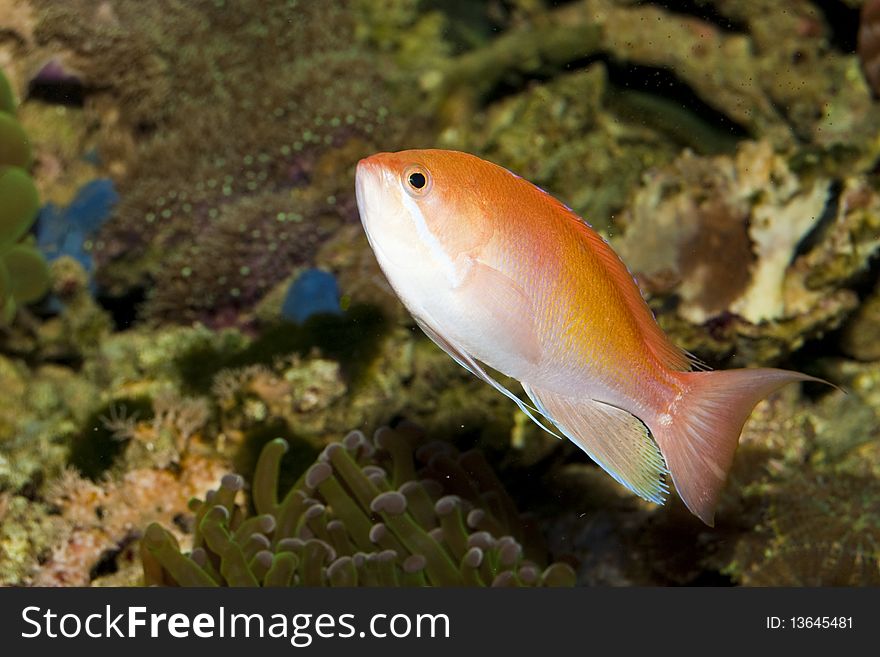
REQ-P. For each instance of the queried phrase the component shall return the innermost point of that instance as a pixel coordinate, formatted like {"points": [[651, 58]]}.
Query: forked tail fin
{"points": [[699, 432]]}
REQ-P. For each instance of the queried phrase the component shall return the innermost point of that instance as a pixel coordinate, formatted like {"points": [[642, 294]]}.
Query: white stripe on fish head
{"points": [[397, 228], [385, 221], [413, 260], [444, 261]]}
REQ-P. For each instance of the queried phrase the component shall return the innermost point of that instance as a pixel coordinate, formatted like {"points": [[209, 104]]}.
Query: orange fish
{"points": [[498, 272]]}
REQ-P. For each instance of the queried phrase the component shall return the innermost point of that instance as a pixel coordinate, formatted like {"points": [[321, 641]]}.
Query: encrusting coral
{"points": [[99, 521], [829, 538], [788, 249], [764, 65], [582, 149], [361, 515]]}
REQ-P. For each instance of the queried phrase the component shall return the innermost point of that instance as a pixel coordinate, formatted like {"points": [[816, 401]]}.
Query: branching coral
{"points": [[361, 515]]}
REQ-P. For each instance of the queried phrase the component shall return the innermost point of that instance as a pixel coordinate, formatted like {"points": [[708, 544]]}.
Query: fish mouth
{"points": [[371, 165], [364, 172], [367, 174], [371, 176]]}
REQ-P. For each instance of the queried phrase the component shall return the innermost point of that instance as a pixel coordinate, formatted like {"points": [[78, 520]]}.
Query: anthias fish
{"points": [[499, 273]]}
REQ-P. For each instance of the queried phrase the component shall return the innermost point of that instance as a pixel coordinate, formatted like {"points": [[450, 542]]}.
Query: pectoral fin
{"points": [[618, 441], [467, 361], [499, 304]]}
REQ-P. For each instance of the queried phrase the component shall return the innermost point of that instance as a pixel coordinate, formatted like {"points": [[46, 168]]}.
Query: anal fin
{"points": [[615, 439]]}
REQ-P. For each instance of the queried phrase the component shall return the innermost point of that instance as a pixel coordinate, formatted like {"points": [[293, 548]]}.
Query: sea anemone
{"points": [[364, 514]]}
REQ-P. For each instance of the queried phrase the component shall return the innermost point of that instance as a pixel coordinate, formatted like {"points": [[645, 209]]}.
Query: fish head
{"points": [[423, 213]]}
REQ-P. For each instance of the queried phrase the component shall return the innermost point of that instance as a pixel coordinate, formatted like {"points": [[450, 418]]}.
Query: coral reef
{"points": [[869, 44], [73, 324], [766, 67], [580, 149], [807, 539], [726, 148], [101, 520], [93, 509], [789, 249], [812, 505], [243, 157], [799, 509], [143, 406], [361, 515], [69, 232], [861, 337]]}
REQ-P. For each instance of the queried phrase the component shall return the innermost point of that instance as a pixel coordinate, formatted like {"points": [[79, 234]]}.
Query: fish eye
{"points": [[417, 180]]}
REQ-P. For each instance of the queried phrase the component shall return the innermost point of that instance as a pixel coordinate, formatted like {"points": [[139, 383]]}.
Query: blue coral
{"points": [[67, 231], [313, 292]]}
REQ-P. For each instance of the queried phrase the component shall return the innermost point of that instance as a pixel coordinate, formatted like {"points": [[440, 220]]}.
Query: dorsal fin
{"points": [[670, 355], [624, 284]]}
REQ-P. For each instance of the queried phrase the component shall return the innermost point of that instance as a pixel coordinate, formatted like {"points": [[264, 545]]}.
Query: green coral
{"points": [[24, 274], [20, 204], [361, 515], [15, 147], [7, 98]]}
